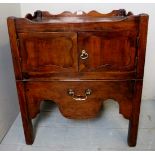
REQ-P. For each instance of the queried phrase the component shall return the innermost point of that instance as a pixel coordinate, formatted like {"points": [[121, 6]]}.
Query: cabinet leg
{"points": [[27, 123], [134, 119], [133, 131]]}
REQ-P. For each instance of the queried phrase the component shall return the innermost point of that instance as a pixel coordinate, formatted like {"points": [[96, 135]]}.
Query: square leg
{"points": [[134, 119], [27, 123]]}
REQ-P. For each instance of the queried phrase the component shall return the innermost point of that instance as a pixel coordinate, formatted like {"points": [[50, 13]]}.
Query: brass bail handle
{"points": [[84, 55], [79, 97]]}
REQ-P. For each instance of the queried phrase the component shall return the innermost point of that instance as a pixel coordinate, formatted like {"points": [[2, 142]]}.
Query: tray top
{"points": [[78, 17]]}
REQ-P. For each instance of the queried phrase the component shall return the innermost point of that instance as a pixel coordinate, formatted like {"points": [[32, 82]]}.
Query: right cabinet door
{"points": [[107, 51]]}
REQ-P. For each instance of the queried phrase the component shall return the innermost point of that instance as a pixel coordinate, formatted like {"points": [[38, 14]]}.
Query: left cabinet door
{"points": [[43, 54]]}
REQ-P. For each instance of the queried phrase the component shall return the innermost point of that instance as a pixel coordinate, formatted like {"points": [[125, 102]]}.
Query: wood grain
{"points": [[101, 90], [25, 113], [48, 52], [143, 26], [107, 52], [14, 47]]}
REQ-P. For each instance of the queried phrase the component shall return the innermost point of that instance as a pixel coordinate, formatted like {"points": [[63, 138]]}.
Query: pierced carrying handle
{"points": [[79, 97]]}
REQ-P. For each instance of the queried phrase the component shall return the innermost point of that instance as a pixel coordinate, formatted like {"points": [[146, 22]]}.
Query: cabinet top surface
{"points": [[77, 19]]}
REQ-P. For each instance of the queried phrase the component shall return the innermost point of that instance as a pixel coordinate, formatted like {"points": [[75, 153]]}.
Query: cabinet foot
{"points": [[132, 133]]}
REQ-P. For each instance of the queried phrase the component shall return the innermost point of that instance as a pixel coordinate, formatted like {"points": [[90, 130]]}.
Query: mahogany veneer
{"points": [[78, 61]]}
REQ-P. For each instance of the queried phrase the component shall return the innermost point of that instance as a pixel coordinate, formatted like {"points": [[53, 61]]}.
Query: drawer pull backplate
{"points": [[79, 97]]}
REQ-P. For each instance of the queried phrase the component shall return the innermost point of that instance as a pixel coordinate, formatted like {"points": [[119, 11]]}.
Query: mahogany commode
{"points": [[78, 60]]}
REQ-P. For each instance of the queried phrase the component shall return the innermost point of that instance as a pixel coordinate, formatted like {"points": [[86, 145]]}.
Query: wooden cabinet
{"points": [[86, 58]]}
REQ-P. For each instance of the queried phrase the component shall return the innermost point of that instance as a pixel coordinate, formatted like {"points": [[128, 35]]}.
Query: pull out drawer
{"points": [[80, 99]]}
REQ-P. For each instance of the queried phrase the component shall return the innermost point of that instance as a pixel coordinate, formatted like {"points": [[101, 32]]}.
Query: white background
{"points": [[8, 94]]}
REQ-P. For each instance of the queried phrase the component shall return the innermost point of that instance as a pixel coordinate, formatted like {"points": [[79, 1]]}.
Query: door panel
{"points": [[48, 52], [107, 51]]}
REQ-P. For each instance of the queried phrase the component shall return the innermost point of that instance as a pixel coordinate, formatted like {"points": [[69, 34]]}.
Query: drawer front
{"points": [[43, 53], [73, 98], [80, 99], [107, 51]]}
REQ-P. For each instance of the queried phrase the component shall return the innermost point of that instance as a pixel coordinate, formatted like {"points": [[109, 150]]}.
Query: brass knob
{"points": [[84, 55]]}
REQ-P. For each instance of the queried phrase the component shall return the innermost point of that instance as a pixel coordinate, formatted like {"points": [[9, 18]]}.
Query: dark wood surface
{"points": [[102, 56], [78, 60], [48, 52], [57, 91]]}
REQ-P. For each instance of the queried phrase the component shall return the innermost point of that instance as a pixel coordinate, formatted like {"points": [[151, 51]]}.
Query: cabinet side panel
{"points": [[143, 25], [14, 47]]}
